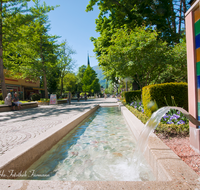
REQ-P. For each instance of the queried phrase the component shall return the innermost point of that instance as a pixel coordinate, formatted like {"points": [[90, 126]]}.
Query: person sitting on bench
{"points": [[8, 101], [16, 101]]}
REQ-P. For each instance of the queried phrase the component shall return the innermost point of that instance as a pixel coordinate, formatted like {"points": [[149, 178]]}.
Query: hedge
{"points": [[167, 94], [132, 95]]}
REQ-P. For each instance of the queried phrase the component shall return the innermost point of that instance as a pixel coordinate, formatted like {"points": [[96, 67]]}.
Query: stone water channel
{"points": [[99, 149]]}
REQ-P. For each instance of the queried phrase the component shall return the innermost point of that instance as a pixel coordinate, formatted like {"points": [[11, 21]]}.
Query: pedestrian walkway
{"points": [[17, 127]]}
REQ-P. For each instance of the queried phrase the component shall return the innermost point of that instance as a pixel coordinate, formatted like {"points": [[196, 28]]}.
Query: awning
{"points": [[38, 88]]}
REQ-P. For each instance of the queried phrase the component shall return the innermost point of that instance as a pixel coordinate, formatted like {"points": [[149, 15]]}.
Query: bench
{"points": [[4, 108]]}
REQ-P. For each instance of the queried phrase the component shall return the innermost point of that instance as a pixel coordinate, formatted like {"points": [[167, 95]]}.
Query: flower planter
{"points": [[43, 103]]}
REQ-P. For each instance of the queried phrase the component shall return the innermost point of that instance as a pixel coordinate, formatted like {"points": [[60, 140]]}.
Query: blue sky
{"points": [[70, 21]]}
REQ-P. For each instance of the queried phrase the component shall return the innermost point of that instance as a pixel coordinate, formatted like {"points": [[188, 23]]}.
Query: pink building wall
{"points": [[193, 90]]}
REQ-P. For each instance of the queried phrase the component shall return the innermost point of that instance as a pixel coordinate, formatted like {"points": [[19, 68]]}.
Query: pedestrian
{"points": [[85, 96], [69, 97], [16, 101], [8, 101]]}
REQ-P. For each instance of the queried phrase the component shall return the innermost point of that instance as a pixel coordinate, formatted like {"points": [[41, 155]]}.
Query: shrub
{"points": [[166, 94], [137, 105], [165, 129], [173, 129], [122, 94], [44, 100], [132, 95], [1, 96], [1, 102], [35, 97], [138, 114]]}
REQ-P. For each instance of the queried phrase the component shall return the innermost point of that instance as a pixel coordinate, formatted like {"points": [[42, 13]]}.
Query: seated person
{"points": [[16, 101], [8, 101]]}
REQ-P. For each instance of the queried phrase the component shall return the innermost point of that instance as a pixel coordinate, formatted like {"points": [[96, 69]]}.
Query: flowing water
{"points": [[99, 149], [153, 122]]}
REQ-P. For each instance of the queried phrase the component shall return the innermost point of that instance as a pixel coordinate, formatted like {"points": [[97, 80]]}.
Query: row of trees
{"points": [[141, 40], [27, 50], [87, 80], [84, 81]]}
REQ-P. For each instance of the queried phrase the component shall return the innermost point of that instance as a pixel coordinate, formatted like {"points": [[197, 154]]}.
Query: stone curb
{"points": [[20, 158]]}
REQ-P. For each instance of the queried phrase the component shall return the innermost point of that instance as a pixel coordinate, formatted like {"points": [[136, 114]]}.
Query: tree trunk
{"points": [[2, 79], [184, 9], [45, 85], [173, 18], [180, 18], [44, 71], [126, 85], [61, 86]]}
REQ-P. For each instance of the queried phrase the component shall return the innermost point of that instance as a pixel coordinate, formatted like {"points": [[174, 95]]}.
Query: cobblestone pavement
{"points": [[17, 127]]}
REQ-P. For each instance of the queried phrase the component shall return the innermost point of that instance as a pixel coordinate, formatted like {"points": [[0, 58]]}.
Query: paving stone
{"points": [[17, 127]]}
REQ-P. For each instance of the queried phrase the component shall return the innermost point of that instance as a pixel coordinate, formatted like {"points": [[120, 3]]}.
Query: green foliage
{"points": [[83, 93], [36, 49], [131, 13], [122, 94], [65, 62], [165, 129], [53, 79], [173, 130], [44, 99], [70, 82], [35, 97], [1, 96], [132, 54], [170, 92], [176, 70], [132, 95], [1, 102], [142, 117], [90, 81], [11, 20], [103, 82], [80, 74], [106, 91]]}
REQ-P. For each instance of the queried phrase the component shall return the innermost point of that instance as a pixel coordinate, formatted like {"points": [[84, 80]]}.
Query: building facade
{"points": [[24, 87]]}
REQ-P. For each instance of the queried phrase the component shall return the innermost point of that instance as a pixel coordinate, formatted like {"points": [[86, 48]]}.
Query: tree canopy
{"points": [[9, 11], [90, 81]]}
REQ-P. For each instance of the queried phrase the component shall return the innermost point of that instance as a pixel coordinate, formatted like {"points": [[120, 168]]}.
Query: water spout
{"points": [[153, 122]]}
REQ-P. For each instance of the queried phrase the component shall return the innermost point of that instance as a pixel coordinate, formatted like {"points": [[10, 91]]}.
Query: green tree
{"points": [[176, 67], [65, 63], [9, 10], [37, 49], [45, 45], [90, 81], [80, 74], [137, 54], [53, 80], [162, 15], [69, 82]]}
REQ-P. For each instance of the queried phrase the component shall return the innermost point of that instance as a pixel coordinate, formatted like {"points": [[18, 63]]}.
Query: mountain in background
{"points": [[100, 76]]}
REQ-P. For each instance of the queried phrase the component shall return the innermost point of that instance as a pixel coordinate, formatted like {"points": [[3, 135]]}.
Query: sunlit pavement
{"points": [[17, 127]]}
